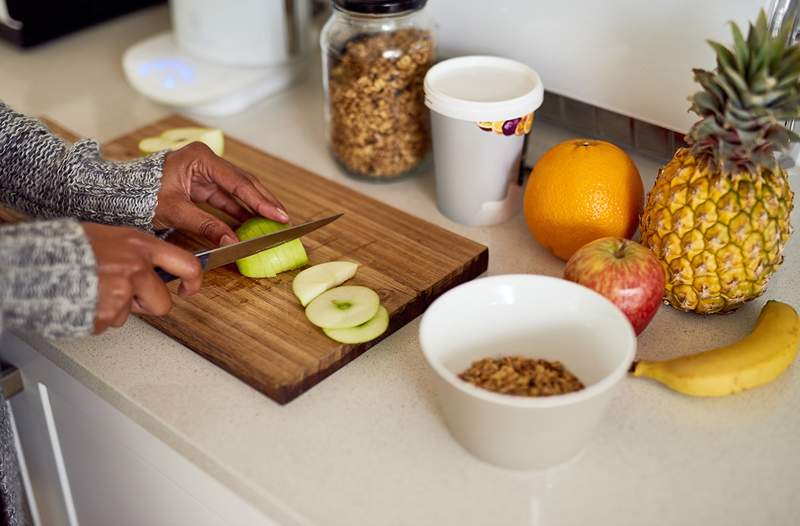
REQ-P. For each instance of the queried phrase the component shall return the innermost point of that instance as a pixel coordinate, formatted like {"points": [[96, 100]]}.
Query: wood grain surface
{"points": [[256, 329]]}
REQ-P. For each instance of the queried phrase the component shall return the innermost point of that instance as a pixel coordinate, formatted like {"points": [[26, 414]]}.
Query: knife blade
{"points": [[217, 257]]}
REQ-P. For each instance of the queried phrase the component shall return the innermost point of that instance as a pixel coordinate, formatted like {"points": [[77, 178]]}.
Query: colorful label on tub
{"points": [[518, 126]]}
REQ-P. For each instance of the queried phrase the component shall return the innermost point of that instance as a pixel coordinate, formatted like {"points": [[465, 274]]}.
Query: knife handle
{"points": [[166, 277]]}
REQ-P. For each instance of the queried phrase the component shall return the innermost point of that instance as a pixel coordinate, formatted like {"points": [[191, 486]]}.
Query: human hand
{"points": [[125, 259], [194, 174]]}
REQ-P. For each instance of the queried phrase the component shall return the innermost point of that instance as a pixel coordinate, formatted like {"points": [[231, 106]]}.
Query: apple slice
{"points": [[365, 332], [315, 280], [179, 137], [343, 307], [271, 262]]}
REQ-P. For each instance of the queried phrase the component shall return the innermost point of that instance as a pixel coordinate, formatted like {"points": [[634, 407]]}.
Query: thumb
{"points": [[188, 217]]}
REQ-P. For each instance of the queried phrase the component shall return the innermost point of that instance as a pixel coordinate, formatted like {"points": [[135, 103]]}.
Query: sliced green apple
{"points": [[315, 280], [365, 332], [179, 137], [343, 307], [268, 263]]}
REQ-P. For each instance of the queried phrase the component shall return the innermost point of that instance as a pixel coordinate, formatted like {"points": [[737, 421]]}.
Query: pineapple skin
{"points": [[718, 236]]}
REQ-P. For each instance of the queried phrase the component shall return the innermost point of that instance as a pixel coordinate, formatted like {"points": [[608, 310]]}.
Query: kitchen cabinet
{"points": [[86, 463], [40, 459]]}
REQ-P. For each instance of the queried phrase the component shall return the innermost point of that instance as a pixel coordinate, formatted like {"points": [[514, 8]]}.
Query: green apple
{"points": [[315, 280], [268, 263], [343, 307], [176, 138], [365, 332]]}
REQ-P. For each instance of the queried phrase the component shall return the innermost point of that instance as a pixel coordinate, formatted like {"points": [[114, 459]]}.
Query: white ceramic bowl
{"points": [[536, 317]]}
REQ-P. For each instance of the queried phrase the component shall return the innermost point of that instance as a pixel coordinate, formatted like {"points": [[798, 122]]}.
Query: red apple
{"points": [[623, 271]]}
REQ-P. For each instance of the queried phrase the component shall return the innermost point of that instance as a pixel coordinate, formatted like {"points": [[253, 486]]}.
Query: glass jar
{"points": [[375, 54]]}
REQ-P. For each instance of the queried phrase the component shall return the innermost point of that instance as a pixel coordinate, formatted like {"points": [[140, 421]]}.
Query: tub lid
{"points": [[483, 88]]}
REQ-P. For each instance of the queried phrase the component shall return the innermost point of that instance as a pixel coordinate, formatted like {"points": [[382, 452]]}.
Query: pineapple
{"points": [[718, 215]]}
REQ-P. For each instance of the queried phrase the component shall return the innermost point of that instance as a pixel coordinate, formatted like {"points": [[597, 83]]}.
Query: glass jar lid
{"points": [[379, 7]]}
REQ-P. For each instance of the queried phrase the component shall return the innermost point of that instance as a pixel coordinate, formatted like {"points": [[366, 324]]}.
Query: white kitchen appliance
{"points": [[221, 57], [627, 56]]}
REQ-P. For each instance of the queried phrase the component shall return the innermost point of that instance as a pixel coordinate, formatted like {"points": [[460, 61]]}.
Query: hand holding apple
{"points": [[623, 271]]}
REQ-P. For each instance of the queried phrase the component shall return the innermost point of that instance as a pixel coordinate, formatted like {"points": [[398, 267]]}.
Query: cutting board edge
{"points": [[280, 394]]}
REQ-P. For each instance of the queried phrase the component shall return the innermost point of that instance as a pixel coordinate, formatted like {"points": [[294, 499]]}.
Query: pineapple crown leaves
{"points": [[746, 99]]}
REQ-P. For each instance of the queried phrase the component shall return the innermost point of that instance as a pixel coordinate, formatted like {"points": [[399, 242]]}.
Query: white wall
{"points": [[630, 56]]}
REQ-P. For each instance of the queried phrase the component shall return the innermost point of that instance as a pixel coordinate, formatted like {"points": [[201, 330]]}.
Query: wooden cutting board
{"points": [[256, 329]]}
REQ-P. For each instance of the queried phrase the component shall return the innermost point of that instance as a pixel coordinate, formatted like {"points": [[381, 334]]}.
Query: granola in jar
{"points": [[378, 125]]}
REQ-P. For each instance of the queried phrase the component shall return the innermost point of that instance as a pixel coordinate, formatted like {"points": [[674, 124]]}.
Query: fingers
{"points": [[186, 216], [122, 315], [113, 301], [119, 295], [269, 196], [222, 201], [127, 282], [176, 261], [150, 294], [244, 186], [195, 173]]}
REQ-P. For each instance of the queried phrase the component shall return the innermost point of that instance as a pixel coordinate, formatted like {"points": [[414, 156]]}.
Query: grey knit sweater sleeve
{"points": [[48, 282], [45, 176]]}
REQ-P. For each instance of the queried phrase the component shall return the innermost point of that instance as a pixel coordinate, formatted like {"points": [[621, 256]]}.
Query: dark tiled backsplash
{"points": [[598, 123]]}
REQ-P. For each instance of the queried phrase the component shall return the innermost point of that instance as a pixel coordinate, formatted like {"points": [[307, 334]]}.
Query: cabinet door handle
{"points": [[10, 381]]}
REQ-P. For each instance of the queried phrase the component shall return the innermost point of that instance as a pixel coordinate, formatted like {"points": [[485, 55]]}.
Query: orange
{"points": [[579, 191]]}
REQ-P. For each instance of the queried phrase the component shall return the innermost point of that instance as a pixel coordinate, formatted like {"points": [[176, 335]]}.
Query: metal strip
{"points": [[29, 498], [58, 456]]}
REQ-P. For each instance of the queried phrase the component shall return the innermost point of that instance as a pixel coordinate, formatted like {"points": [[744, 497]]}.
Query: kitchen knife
{"points": [[217, 257]]}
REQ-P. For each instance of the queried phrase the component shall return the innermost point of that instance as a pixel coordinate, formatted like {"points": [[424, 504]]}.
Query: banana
{"points": [[755, 360]]}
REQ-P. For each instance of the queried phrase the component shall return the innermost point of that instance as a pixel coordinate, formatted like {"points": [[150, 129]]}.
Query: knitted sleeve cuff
{"points": [[45, 176], [112, 192], [48, 281]]}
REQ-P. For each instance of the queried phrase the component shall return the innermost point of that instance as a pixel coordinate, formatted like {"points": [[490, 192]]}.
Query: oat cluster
{"points": [[379, 125], [519, 376]]}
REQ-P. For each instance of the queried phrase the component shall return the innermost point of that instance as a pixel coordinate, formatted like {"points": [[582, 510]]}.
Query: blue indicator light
{"points": [[171, 68]]}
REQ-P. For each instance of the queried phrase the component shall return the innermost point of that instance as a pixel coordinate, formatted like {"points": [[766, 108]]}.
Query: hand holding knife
{"points": [[217, 257]]}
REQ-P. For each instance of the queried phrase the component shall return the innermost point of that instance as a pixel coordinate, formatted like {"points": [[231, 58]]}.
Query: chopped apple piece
{"points": [[268, 263], [365, 332], [343, 307], [315, 280], [179, 137]]}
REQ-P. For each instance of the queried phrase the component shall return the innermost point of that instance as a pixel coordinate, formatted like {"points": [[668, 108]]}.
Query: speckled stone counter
{"points": [[368, 445]]}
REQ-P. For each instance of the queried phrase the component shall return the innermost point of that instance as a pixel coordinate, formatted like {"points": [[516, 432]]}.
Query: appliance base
{"points": [[161, 71]]}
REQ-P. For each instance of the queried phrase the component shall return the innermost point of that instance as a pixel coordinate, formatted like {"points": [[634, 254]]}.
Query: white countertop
{"points": [[368, 445]]}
